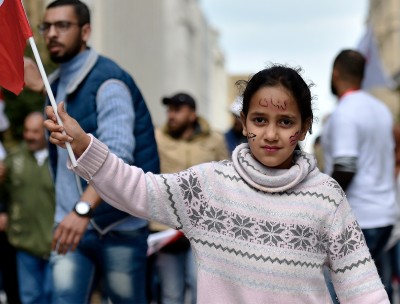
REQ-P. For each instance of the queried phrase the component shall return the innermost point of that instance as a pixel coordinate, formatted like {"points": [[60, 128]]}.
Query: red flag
{"points": [[14, 31]]}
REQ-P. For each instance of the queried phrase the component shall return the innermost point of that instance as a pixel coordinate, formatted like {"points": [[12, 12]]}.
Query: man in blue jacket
{"points": [[91, 237]]}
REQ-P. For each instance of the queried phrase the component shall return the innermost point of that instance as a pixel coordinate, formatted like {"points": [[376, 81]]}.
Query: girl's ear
{"points": [[243, 120], [304, 129]]}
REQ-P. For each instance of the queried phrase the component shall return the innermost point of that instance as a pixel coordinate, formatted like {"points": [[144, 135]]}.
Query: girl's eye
{"points": [[259, 120], [286, 122]]}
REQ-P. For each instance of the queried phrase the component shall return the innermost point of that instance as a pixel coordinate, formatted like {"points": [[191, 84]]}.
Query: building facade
{"points": [[167, 46], [384, 17]]}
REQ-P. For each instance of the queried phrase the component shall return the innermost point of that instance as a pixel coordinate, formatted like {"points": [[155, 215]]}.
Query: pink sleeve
{"points": [[129, 189], [119, 184]]}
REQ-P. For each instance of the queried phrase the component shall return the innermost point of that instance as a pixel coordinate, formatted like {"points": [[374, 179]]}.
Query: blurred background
{"points": [[204, 46]]}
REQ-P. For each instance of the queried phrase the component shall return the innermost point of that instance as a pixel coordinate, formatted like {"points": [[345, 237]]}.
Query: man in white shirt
{"points": [[359, 152]]}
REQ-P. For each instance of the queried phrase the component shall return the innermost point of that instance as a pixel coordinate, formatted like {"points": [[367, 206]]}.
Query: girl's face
{"points": [[273, 127]]}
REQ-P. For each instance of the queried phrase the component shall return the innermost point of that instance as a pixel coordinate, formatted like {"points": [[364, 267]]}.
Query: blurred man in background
{"points": [[358, 147], [186, 140], [29, 193]]}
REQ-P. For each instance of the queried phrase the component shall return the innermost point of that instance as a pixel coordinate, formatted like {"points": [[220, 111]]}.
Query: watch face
{"points": [[82, 208]]}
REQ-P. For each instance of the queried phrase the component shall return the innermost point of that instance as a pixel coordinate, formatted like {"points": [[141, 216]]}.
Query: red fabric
{"points": [[14, 31]]}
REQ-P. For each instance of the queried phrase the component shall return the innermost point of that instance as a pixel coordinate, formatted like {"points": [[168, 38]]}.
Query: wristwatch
{"points": [[82, 208]]}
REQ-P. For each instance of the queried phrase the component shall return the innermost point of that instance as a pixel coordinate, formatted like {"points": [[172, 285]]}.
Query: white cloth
{"points": [[4, 122], [361, 127], [3, 152], [41, 156]]}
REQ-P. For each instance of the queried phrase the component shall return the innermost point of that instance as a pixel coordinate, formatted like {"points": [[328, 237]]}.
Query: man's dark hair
{"points": [[81, 9], [351, 65]]}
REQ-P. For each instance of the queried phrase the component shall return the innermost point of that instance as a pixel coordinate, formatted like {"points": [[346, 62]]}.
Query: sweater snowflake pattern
{"points": [[260, 235]]}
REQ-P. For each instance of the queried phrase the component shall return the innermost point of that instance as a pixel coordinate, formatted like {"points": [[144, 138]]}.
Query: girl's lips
{"points": [[271, 148]]}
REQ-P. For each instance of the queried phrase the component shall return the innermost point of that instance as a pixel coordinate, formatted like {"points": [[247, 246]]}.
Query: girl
{"points": [[263, 225]]}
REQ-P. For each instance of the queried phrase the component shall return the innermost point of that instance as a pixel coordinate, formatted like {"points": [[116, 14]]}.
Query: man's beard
{"points": [[178, 131], [68, 55]]}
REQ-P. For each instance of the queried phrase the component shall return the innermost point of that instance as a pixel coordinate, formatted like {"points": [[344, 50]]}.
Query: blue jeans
{"points": [[391, 269], [176, 272], [329, 284], [118, 256], [376, 239], [34, 278]]}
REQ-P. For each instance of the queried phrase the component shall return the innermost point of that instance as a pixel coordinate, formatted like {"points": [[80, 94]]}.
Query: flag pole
{"points": [[51, 96]]}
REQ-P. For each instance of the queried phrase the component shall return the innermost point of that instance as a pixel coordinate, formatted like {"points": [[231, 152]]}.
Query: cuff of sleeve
{"points": [[91, 160]]}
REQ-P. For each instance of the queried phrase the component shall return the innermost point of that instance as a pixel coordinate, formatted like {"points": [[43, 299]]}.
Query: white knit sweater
{"points": [[260, 235]]}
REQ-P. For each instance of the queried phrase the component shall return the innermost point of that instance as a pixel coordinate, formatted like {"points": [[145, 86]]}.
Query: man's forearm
{"points": [[344, 178], [90, 195]]}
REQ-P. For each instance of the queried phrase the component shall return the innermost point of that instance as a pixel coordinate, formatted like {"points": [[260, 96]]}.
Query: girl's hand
{"points": [[73, 134]]}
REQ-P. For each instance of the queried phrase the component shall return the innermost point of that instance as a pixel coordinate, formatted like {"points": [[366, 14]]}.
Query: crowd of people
{"points": [[258, 219]]}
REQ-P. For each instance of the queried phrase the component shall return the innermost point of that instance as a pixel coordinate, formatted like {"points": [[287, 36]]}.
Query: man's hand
{"points": [[3, 221], [69, 233], [32, 78], [75, 135]]}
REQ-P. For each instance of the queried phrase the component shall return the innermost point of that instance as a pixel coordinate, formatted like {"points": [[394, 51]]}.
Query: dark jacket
{"points": [[145, 153]]}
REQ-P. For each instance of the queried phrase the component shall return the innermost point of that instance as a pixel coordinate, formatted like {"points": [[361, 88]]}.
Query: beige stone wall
{"points": [[34, 11], [384, 16]]}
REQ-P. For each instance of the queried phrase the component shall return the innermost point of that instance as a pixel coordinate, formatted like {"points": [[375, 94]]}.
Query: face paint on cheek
{"points": [[294, 138], [251, 136]]}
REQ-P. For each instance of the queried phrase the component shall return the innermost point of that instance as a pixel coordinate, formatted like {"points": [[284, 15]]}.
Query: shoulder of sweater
{"points": [[319, 184], [224, 166]]}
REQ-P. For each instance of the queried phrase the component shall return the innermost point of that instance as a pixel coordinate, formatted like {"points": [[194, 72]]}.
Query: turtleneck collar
{"points": [[269, 179]]}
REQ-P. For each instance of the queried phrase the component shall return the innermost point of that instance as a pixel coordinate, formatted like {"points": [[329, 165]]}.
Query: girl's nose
{"points": [[271, 133]]}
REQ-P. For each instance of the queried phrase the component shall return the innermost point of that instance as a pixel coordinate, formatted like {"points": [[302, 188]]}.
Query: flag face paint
{"points": [[14, 31]]}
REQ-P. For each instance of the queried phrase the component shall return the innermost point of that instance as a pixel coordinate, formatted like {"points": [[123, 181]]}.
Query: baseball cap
{"points": [[180, 99]]}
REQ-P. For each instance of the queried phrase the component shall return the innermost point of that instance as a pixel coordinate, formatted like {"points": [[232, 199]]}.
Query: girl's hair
{"points": [[280, 75]]}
